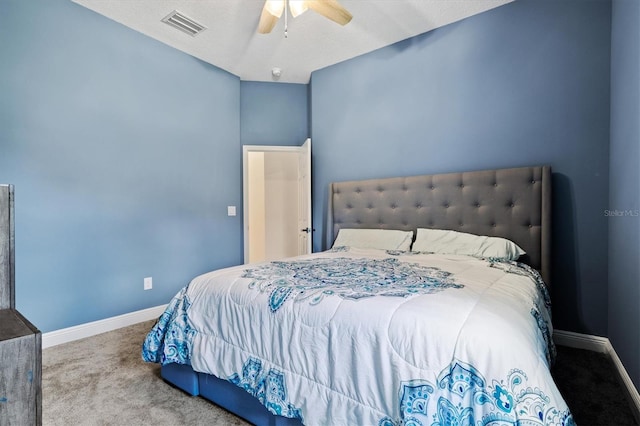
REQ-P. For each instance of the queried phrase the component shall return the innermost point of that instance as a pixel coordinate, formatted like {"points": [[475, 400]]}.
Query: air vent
{"points": [[181, 22]]}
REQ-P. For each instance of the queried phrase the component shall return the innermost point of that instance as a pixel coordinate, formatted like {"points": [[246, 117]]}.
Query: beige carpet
{"points": [[102, 380]]}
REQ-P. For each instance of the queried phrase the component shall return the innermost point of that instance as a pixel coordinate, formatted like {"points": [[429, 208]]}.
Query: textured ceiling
{"points": [[231, 42]]}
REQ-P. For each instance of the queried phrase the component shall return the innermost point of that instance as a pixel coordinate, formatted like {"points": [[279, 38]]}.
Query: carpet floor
{"points": [[102, 380], [591, 388]]}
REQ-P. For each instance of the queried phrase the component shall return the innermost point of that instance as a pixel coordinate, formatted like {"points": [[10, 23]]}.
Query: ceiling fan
{"points": [[272, 11]]}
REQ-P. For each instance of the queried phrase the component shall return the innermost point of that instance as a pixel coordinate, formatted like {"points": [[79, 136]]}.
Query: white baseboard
{"points": [[626, 379], [65, 335], [602, 345], [581, 341]]}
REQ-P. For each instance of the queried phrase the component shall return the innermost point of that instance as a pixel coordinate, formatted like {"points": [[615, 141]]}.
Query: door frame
{"points": [[246, 149]]}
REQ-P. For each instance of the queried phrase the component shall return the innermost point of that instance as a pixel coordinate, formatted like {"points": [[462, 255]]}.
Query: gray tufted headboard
{"points": [[509, 203]]}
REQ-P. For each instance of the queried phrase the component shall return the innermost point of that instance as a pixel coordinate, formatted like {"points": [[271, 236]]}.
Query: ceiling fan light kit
{"points": [[297, 7], [273, 9]]}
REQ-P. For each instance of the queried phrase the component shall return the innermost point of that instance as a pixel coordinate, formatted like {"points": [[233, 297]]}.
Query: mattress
{"points": [[372, 337]]}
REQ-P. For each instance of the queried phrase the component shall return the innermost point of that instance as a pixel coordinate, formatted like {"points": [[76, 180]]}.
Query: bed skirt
{"points": [[223, 393]]}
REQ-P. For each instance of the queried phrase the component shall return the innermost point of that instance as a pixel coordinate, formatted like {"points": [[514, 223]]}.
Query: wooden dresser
{"points": [[20, 341]]}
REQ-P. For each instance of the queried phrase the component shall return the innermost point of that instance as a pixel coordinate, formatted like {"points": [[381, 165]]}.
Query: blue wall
{"points": [[523, 84], [273, 113], [624, 195], [124, 154]]}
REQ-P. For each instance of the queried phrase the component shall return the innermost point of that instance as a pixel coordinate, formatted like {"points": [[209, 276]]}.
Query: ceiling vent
{"points": [[181, 22]]}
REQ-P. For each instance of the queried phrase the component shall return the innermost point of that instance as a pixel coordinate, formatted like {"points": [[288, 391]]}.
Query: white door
{"points": [[277, 201], [305, 231]]}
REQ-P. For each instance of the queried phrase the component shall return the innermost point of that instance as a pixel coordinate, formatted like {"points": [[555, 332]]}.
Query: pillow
{"points": [[385, 239], [453, 242]]}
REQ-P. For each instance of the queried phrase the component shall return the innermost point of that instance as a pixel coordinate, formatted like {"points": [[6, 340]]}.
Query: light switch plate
{"points": [[231, 210]]}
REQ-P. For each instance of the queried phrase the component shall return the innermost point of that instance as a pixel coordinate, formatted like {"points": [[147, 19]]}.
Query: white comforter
{"points": [[370, 337]]}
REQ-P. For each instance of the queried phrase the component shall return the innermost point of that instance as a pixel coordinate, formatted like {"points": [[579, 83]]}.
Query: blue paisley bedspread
{"points": [[372, 337]]}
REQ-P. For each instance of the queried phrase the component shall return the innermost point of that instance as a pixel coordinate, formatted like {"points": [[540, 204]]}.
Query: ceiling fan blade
{"points": [[271, 12], [330, 9]]}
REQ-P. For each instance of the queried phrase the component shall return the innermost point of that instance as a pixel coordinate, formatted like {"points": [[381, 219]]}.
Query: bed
{"points": [[397, 323]]}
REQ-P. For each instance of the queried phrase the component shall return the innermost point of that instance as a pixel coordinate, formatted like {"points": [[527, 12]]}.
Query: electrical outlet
{"points": [[148, 283]]}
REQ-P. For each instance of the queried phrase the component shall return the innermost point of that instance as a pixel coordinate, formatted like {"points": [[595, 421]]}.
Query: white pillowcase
{"points": [[384, 239], [453, 242]]}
